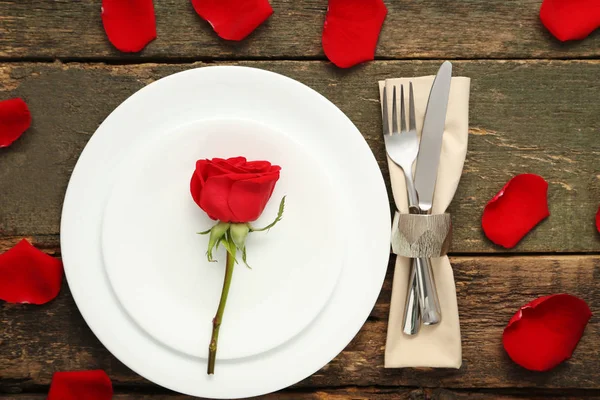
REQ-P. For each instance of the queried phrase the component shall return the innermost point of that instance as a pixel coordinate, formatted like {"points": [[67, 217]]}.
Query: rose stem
{"points": [[212, 348]]}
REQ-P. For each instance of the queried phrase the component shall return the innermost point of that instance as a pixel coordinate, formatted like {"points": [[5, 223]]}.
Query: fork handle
{"points": [[412, 311], [413, 200]]}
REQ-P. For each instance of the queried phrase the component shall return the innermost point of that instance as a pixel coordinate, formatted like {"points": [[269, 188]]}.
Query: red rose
{"points": [[233, 190]]}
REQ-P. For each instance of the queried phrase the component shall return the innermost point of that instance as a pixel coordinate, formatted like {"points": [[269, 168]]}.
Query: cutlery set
{"points": [[404, 148]]}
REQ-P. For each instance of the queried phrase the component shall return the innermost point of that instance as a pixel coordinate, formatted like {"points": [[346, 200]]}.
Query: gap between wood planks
{"points": [[323, 393], [136, 60]]}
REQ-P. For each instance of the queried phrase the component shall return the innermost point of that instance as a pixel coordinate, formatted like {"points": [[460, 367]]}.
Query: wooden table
{"points": [[534, 108]]}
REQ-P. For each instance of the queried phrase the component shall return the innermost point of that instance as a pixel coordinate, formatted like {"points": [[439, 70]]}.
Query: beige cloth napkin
{"points": [[439, 345]]}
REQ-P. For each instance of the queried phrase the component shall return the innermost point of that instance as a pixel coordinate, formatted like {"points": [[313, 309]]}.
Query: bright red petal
{"points": [[598, 220], [351, 30], [545, 332], [516, 209], [196, 185], [215, 197], [15, 119], [129, 24], [236, 161], [570, 19], [81, 385], [233, 19], [249, 197], [28, 275]]}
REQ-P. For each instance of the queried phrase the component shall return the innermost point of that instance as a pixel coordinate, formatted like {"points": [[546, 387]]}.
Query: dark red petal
{"points": [[598, 220], [351, 30], [28, 275], [570, 19], [81, 385], [233, 19], [545, 332], [15, 119], [516, 209], [129, 24]]}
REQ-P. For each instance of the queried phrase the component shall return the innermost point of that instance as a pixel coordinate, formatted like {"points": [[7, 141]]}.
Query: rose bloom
{"points": [[233, 190]]}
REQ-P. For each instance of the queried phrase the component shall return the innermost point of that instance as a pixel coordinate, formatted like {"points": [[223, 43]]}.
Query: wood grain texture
{"points": [[356, 394], [69, 29], [525, 116], [36, 341]]}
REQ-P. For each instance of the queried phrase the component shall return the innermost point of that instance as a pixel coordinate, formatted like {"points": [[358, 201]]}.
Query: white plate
{"points": [[157, 263], [288, 109]]}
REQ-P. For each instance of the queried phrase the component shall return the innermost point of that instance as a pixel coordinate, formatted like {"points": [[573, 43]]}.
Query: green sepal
{"points": [[244, 257], [229, 245], [239, 233], [277, 219], [217, 233]]}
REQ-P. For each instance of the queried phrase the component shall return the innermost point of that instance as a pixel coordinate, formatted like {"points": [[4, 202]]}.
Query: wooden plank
{"points": [[526, 116], [354, 394], [36, 341], [413, 29]]}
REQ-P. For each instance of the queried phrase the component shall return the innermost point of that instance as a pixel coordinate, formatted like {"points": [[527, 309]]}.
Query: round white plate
{"points": [[157, 263], [282, 107]]}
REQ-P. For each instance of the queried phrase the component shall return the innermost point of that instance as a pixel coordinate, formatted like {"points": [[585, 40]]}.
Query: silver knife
{"points": [[430, 147], [428, 161]]}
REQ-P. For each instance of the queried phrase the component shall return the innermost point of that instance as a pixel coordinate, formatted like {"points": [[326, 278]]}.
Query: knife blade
{"points": [[430, 147]]}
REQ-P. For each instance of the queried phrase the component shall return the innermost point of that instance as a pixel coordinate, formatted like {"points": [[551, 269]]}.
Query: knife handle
{"points": [[429, 302]]}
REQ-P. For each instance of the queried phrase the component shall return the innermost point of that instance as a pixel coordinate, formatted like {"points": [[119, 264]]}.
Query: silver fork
{"points": [[402, 146]]}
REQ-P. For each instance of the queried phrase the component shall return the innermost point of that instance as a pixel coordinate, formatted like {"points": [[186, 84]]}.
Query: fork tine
{"points": [[411, 110], [394, 112], [402, 110], [385, 115]]}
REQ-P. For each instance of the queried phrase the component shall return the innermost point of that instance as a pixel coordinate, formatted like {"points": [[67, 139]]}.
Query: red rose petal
{"points": [[233, 19], [351, 30], [233, 189], [15, 119], [214, 197], [570, 19], [28, 275], [545, 332], [248, 198], [129, 24], [516, 209], [81, 385], [598, 220]]}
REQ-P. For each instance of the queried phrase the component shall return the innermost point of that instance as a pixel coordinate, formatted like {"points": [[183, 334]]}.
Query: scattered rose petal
{"points": [[15, 119], [129, 24], [233, 19], [516, 209], [81, 385], [598, 220], [570, 19], [28, 275], [545, 332], [351, 30]]}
